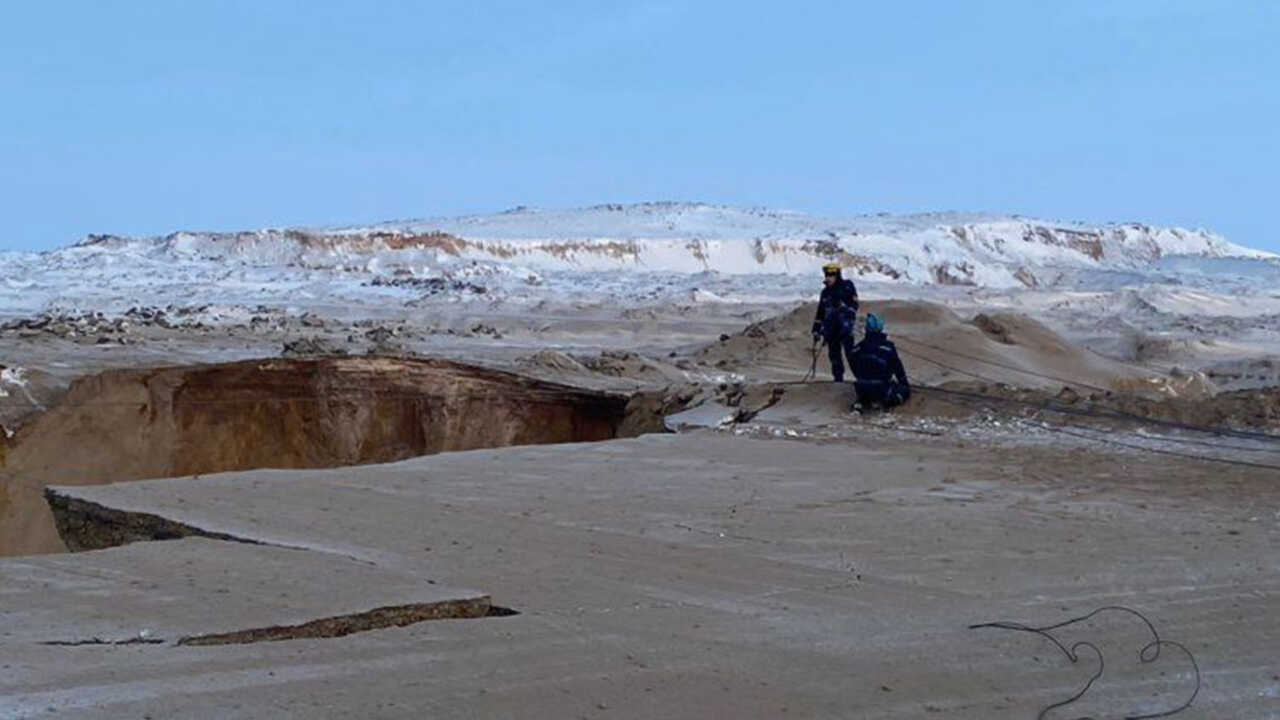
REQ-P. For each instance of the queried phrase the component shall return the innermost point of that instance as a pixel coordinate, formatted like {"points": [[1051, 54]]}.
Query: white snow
{"points": [[14, 378], [11, 376], [653, 251]]}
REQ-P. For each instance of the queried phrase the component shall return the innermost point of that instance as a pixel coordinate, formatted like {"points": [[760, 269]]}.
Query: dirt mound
{"points": [[311, 347], [899, 313], [617, 370], [1014, 329], [785, 342], [1240, 374], [1241, 409], [623, 363], [1150, 349], [776, 345], [324, 412], [937, 346], [553, 361], [795, 406]]}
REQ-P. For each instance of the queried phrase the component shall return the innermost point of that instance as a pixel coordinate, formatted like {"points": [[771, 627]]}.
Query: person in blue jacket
{"points": [[837, 314], [880, 378]]}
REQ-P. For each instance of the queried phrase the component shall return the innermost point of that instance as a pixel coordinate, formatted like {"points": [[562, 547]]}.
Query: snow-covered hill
{"points": [[605, 248]]}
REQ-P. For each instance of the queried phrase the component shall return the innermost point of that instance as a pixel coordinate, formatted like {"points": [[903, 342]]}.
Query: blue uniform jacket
{"points": [[837, 308], [876, 360]]}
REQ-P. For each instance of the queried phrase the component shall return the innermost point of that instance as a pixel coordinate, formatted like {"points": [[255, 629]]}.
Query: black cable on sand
{"points": [[1085, 413], [1119, 414], [1093, 413], [1148, 654], [1110, 441]]}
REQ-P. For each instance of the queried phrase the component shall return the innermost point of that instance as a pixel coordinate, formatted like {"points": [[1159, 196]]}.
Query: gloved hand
{"points": [[816, 337], [817, 330]]}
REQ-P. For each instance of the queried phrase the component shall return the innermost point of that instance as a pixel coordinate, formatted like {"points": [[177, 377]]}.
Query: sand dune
{"points": [[938, 345]]}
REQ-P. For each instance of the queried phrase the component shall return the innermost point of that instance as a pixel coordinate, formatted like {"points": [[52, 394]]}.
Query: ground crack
{"points": [[340, 625], [100, 641], [85, 525], [329, 627]]}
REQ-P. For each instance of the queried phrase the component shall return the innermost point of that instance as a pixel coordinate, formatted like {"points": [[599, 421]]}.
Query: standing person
{"points": [[837, 313], [879, 376]]}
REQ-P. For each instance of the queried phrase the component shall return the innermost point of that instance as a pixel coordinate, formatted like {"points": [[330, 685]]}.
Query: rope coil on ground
{"points": [[1148, 654]]}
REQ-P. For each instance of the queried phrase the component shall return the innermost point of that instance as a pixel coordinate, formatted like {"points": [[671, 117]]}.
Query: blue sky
{"points": [[137, 117]]}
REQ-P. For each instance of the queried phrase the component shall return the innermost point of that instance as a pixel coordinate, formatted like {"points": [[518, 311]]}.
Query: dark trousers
{"points": [[886, 393], [835, 344]]}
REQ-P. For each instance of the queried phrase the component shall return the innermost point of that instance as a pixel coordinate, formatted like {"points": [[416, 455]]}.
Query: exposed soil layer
{"points": [[88, 526], [278, 413], [332, 627]]}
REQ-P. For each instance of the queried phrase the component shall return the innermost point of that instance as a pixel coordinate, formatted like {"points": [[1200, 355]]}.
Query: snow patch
{"points": [[14, 378], [652, 252]]}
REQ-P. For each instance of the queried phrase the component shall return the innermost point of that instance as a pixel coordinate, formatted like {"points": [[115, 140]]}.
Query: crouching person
{"points": [[880, 378]]}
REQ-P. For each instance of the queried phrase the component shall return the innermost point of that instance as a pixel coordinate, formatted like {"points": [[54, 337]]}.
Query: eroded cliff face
{"points": [[279, 413]]}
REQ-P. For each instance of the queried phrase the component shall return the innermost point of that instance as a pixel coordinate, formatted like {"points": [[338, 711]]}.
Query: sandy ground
{"points": [[691, 575], [1240, 347], [794, 560]]}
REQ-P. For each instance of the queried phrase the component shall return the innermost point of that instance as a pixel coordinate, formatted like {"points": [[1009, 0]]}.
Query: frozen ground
{"points": [[779, 556], [677, 576], [648, 277]]}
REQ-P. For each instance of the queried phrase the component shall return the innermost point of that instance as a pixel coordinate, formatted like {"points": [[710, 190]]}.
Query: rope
{"points": [[1113, 413], [1110, 441], [1084, 413], [813, 366], [1006, 366], [1148, 654], [1109, 415]]}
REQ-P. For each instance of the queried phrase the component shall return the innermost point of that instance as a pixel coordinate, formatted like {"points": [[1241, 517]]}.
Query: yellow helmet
{"points": [[831, 269]]}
